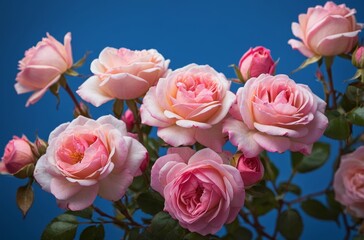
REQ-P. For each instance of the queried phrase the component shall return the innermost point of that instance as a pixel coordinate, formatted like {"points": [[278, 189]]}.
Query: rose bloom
{"points": [[349, 182], [251, 169], [358, 57], [122, 74], [188, 106], [200, 191], [276, 114], [255, 62], [86, 158], [17, 154], [326, 31], [42, 66]]}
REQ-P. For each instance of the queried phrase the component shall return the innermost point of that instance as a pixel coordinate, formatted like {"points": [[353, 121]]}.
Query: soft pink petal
{"points": [[296, 30], [177, 136], [205, 154], [68, 48], [81, 200], [281, 131], [114, 186], [91, 92], [42, 175], [184, 152], [38, 94], [226, 104], [337, 43], [19, 88], [63, 189], [213, 137], [272, 143], [301, 47]]}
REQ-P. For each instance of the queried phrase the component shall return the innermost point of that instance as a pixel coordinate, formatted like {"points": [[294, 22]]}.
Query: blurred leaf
{"points": [[339, 127], [71, 72], [85, 213], [271, 172], [319, 155], [95, 232], [139, 184], [164, 227], [307, 62], [134, 234], [333, 205], [54, 89], [237, 232], [263, 202], [195, 236], [25, 198], [290, 224], [289, 187], [358, 237], [150, 202], [356, 116], [355, 93], [118, 108], [316, 209], [80, 62], [26, 171], [63, 227]]}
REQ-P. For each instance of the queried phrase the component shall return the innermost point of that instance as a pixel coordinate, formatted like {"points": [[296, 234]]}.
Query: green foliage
{"points": [[289, 187], [319, 155], [290, 224], [307, 62], [118, 108], [63, 227], [316, 209], [85, 213], [236, 232], [339, 126], [94, 232], [263, 200], [356, 116], [25, 198], [150, 202]]}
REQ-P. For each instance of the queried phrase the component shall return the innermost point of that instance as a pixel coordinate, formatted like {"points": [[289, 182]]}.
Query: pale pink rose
{"points": [[188, 105], [42, 66], [86, 158], [251, 169], [349, 182], [128, 118], [358, 57], [17, 154], [326, 31], [255, 62], [200, 191], [276, 114], [122, 74]]}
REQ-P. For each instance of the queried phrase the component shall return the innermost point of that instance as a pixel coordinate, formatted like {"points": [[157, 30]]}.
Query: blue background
{"points": [[191, 31]]}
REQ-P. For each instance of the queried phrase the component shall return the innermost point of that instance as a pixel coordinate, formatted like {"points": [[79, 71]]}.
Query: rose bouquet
{"points": [[180, 155]]}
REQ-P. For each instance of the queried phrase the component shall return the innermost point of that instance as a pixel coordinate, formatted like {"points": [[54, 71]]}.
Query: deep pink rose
{"points": [[255, 62], [17, 154], [128, 118], [349, 182], [251, 169], [326, 31], [122, 74], [86, 158], [358, 57], [276, 114], [200, 191], [42, 66], [188, 105]]}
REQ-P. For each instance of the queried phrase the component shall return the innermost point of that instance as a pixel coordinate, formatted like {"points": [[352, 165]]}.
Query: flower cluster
{"points": [[185, 165]]}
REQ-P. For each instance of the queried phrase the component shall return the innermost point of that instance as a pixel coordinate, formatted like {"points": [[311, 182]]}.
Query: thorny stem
{"points": [[114, 220], [332, 92], [77, 104]]}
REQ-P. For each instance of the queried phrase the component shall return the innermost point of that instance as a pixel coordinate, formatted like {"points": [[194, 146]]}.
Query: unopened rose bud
{"points": [[17, 155], [358, 57], [143, 166], [128, 118], [255, 62], [251, 169], [41, 146], [81, 110]]}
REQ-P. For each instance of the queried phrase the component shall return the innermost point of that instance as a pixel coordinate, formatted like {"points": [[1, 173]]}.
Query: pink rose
{"points": [[122, 74], [129, 120], [276, 114], [326, 31], [188, 106], [200, 191], [349, 182], [42, 66], [255, 62], [358, 57], [86, 158], [251, 169], [17, 155]]}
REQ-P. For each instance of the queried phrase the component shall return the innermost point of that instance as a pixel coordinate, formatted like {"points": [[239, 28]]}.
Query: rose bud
{"points": [[255, 62], [128, 118], [251, 169], [17, 155], [358, 57]]}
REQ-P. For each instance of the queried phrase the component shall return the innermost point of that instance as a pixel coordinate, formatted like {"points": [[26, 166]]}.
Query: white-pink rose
{"points": [[326, 31], [122, 74], [188, 105], [349, 182], [42, 66], [255, 62], [274, 113], [251, 169], [17, 154], [200, 191], [86, 158]]}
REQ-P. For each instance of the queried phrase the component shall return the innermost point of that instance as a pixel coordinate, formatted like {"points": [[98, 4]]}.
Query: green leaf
{"points": [[263, 202], [290, 224], [63, 227], [72, 72], [26, 171], [289, 187], [80, 62], [307, 62], [271, 172], [85, 213], [139, 184], [195, 236], [316, 209], [356, 116], [355, 93], [238, 73], [237, 232], [164, 227], [150, 202], [25, 198], [95, 232], [339, 127], [118, 108], [319, 155]]}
